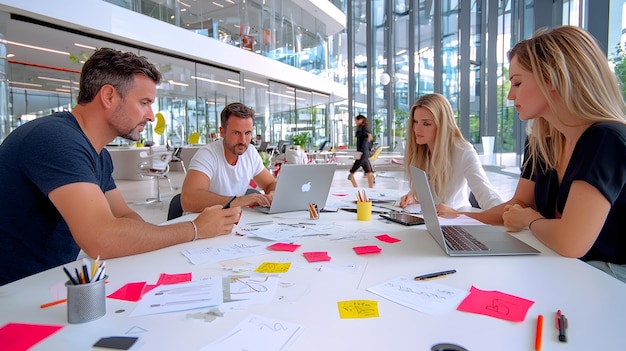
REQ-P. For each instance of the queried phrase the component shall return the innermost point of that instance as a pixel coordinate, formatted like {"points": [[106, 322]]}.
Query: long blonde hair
{"points": [[437, 163], [569, 60]]}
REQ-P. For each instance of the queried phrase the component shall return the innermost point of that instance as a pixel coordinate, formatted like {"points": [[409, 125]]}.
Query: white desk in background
{"points": [[593, 302]]}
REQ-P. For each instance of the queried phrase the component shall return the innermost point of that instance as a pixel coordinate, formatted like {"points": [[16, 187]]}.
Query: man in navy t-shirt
{"points": [[59, 195]]}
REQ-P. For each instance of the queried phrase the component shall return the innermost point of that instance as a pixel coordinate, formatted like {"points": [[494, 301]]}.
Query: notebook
{"points": [[299, 185], [483, 240]]}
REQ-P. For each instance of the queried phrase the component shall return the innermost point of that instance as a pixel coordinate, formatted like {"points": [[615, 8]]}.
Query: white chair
{"points": [[157, 166]]}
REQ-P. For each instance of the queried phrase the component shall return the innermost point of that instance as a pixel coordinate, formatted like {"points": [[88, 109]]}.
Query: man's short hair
{"points": [[115, 68], [237, 109]]}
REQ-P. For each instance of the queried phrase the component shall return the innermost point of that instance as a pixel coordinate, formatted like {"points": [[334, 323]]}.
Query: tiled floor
{"points": [[137, 191]]}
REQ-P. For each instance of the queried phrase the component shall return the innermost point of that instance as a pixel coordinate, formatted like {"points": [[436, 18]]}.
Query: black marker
{"points": [[229, 202]]}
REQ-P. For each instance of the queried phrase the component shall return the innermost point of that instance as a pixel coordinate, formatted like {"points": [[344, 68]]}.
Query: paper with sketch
{"points": [[287, 232], [423, 296], [226, 252], [258, 289], [181, 297], [258, 333]]}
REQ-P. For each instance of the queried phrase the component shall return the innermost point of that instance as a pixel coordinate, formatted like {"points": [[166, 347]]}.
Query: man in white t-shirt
{"points": [[223, 169]]}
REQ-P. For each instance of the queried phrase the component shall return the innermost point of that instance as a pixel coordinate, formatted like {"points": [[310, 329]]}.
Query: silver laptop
{"points": [[464, 240], [299, 185]]}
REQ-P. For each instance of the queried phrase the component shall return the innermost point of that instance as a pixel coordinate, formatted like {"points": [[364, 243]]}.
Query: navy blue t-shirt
{"points": [[599, 158], [35, 159]]}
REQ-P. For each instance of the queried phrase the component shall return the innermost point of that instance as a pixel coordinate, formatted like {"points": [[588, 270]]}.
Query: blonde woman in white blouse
{"points": [[435, 144]]}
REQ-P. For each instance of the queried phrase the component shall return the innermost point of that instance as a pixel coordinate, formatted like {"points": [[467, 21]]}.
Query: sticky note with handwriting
{"points": [[273, 267], [358, 309], [316, 256], [496, 304], [360, 250]]}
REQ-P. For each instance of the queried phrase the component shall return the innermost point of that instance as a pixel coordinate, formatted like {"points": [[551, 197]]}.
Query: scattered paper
{"points": [[181, 297], [258, 333], [226, 252], [423, 296]]}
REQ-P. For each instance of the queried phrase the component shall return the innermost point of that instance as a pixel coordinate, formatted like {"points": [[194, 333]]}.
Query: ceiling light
{"points": [[217, 4], [217, 82], [35, 47], [54, 79], [27, 84], [85, 46], [255, 82]]}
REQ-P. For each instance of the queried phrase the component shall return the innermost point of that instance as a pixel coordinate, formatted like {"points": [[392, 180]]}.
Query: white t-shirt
{"points": [[226, 179], [468, 174]]}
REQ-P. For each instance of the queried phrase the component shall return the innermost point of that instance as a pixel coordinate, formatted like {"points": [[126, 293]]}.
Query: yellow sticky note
{"points": [[273, 267], [358, 309]]}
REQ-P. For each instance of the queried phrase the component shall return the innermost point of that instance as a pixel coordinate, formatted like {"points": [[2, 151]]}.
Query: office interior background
{"points": [[305, 66]]}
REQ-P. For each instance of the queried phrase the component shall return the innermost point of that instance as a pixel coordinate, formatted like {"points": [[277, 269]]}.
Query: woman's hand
{"points": [[517, 217], [444, 210], [407, 200]]}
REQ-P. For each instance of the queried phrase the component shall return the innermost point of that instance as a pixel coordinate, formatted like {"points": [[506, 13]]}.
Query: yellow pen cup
{"points": [[364, 210]]}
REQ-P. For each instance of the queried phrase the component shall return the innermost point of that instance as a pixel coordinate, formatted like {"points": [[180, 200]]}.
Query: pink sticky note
{"points": [[147, 288], [360, 250], [386, 238], [316, 256], [496, 304], [340, 194], [129, 292], [21, 337], [165, 278], [283, 247]]}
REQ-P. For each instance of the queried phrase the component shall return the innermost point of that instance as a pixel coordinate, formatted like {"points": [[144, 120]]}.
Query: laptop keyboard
{"points": [[460, 240]]}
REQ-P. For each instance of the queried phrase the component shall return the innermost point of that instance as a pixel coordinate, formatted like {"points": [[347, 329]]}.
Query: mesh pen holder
{"points": [[86, 302]]}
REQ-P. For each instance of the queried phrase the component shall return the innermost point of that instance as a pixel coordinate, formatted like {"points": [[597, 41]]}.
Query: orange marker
{"points": [[538, 333]]}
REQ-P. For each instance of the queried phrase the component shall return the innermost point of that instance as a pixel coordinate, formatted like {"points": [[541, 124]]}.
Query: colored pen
{"points": [[53, 303], [230, 201], [539, 333], [69, 275], [435, 275], [561, 325]]}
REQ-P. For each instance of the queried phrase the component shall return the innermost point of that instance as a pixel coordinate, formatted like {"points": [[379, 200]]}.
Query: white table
{"points": [[593, 302]]}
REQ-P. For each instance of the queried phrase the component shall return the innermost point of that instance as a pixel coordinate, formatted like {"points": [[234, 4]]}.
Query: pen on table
{"points": [[259, 223], [538, 333], [435, 275], [229, 202], [561, 325]]}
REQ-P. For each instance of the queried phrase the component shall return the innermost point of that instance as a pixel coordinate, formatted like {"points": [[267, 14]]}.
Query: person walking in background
{"points": [[363, 145], [435, 145], [572, 190], [60, 196]]}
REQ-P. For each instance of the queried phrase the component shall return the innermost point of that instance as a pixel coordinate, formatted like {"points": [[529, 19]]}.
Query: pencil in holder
{"points": [[313, 212], [85, 302]]}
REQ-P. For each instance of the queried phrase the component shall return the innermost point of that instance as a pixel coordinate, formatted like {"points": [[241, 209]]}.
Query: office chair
{"points": [[176, 157], [156, 166], [176, 209]]}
